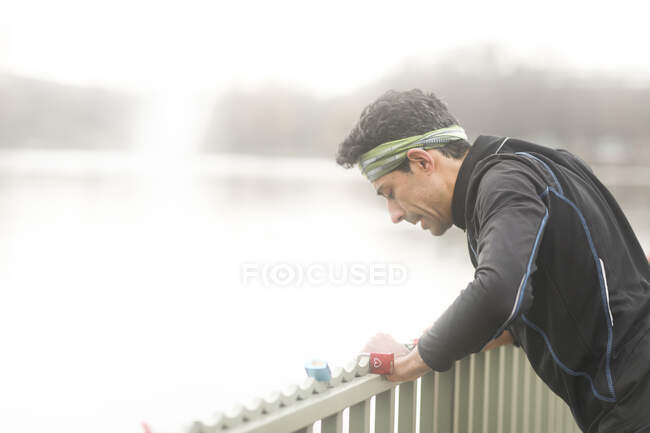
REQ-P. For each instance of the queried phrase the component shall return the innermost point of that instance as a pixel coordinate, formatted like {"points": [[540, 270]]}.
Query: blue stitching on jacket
{"points": [[559, 187], [469, 241], [603, 295], [513, 314], [564, 367], [608, 371]]}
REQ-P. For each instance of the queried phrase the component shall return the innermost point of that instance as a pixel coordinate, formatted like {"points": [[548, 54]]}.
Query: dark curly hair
{"points": [[395, 115]]}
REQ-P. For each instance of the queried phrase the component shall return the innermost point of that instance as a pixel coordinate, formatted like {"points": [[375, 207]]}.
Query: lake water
{"points": [[164, 290]]}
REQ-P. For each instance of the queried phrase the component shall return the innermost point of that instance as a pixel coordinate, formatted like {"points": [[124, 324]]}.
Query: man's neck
{"points": [[452, 168]]}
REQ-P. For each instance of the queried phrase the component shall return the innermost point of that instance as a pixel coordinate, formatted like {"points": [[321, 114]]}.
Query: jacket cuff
{"points": [[431, 357]]}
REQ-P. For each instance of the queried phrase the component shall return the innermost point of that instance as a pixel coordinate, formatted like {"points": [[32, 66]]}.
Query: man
{"points": [[558, 268]]}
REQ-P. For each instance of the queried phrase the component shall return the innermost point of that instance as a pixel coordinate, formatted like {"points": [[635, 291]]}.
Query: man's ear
{"points": [[421, 159]]}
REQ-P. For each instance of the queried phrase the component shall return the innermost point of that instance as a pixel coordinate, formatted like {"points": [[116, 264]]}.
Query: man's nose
{"points": [[396, 212]]}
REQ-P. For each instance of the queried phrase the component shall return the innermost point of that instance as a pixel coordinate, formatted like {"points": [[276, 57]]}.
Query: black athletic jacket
{"points": [[556, 263]]}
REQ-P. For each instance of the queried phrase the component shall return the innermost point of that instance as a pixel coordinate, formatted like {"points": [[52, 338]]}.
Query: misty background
{"points": [[150, 151], [604, 118]]}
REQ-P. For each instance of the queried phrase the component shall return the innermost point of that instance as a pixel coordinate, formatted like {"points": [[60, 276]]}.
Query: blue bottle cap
{"points": [[318, 369]]}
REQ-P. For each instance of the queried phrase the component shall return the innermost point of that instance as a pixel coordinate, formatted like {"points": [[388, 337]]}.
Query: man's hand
{"points": [[407, 366]]}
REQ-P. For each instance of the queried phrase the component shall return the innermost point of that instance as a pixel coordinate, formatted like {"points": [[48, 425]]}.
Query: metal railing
{"points": [[494, 391]]}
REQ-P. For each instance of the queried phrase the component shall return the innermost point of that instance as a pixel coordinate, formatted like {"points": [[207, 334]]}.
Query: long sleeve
{"points": [[510, 218]]}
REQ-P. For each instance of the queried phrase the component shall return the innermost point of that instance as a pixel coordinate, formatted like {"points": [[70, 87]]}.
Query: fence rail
{"points": [[494, 391]]}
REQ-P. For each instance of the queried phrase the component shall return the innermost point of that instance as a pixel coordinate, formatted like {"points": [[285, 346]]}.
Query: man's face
{"points": [[417, 197]]}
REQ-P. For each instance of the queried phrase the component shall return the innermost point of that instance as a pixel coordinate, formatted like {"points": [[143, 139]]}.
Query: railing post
{"points": [[527, 391], [551, 415], [406, 404], [568, 420], [333, 423], [385, 412], [491, 391], [537, 417], [443, 412], [503, 414], [360, 417], [427, 390], [545, 422], [558, 415], [461, 396], [519, 371], [476, 394], [515, 395]]}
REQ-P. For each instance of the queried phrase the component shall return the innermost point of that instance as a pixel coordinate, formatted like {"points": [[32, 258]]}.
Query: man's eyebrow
{"points": [[379, 190]]}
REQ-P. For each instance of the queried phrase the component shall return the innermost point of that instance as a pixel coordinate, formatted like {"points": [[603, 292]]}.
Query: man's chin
{"points": [[439, 231]]}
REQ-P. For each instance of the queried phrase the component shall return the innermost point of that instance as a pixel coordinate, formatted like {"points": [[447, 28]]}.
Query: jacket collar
{"points": [[483, 146]]}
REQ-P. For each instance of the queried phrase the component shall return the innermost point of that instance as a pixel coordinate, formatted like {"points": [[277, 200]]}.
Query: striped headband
{"points": [[388, 156]]}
